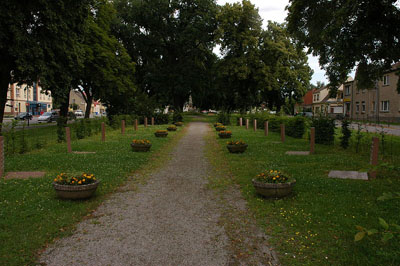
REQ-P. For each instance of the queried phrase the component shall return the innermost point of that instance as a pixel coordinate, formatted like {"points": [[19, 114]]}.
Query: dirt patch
{"points": [[24, 175]]}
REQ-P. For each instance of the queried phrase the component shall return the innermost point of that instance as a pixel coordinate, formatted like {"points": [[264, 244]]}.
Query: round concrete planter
{"points": [[236, 148], [140, 147], [220, 128], [224, 136], [273, 190], [178, 124], [75, 192], [171, 128], [161, 134]]}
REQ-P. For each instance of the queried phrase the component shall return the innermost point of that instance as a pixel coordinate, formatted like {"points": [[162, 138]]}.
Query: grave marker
{"points": [[255, 124], [152, 121], [68, 136], [374, 155], [266, 128], [123, 127], [240, 122], [145, 122], [283, 132], [312, 140], [247, 123], [136, 124]]}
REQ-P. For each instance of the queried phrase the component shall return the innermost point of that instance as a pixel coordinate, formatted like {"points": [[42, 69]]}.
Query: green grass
{"points": [[30, 214], [316, 225]]}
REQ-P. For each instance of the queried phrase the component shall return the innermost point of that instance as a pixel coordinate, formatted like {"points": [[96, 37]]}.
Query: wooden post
{"points": [[255, 124], [247, 123], [374, 156], [283, 132], [312, 140], [152, 121], [145, 122], [266, 128], [136, 124], [1, 156], [123, 127], [68, 136], [240, 122], [103, 132]]}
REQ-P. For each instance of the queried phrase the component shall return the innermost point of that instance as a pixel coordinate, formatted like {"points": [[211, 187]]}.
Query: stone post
{"points": [[283, 132], [152, 121], [123, 127], [266, 128], [374, 156], [247, 123], [312, 140], [240, 122], [255, 124], [103, 132], [136, 124], [145, 122], [1, 156], [68, 136]]}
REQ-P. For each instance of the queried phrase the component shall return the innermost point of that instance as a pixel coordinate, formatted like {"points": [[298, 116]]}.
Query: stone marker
{"points": [[297, 153], [348, 175], [1, 156], [247, 123], [123, 127], [283, 132], [103, 132], [312, 140], [374, 155], [266, 128], [68, 137], [240, 122], [145, 122], [84, 152], [24, 175], [255, 124], [136, 124], [152, 121]]}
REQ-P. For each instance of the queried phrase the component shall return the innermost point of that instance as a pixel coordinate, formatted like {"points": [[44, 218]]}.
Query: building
{"points": [[306, 105], [24, 98], [381, 103], [77, 102], [319, 101]]}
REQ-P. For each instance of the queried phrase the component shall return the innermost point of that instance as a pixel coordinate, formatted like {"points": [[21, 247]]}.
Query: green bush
{"points": [[274, 123], [324, 129], [346, 134], [224, 118], [177, 117], [295, 127], [161, 119]]}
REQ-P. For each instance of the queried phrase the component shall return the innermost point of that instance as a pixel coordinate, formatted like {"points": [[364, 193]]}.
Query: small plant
{"points": [[359, 136], [346, 134], [217, 124], [220, 128], [141, 142], [179, 124], [272, 176], [236, 142], [71, 180], [227, 132], [171, 128]]}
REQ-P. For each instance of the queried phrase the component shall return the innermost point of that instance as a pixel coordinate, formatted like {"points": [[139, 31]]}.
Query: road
{"points": [[387, 129]]}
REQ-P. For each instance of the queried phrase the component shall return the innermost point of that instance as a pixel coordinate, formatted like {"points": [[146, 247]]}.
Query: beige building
{"points": [[24, 98], [319, 104], [381, 103], [76, 98]]}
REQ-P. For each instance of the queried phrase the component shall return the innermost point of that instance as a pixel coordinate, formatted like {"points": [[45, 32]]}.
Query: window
{"points": [[347, 90], [317, 97], [373, 107], [386, 80], [384, 106], [17, 92], [363, 107], [357, 107]]}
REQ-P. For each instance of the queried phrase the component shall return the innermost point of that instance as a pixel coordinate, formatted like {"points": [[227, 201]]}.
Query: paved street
{"points": [[388, 129]]}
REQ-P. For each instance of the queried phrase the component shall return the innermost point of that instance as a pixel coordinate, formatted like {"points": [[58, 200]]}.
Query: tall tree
{"points": [[170, 41], [345, 34]]}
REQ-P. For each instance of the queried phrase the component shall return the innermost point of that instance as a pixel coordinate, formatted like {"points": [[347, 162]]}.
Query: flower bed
{"points": [[273, 184], [161, 133], [220, 128], [171, 128], [75, 187], [236, 146], [225, 134]]}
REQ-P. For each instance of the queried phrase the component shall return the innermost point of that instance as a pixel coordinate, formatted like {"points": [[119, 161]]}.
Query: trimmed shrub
{"points": [[324, 130], [177, 117], [295, 127], [224, 118], [346, 134], [161, 119]]}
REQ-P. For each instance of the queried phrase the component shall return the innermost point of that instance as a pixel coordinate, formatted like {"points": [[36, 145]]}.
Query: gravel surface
{"points": [[172, 220]]}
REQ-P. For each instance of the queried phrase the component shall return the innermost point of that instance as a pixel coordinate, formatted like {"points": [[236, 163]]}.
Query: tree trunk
{"points": [[4, 82], [89, 100]]}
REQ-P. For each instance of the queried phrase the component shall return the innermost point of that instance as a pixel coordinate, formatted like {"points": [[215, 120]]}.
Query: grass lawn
{"points": [[30, 214], [317, 224]]}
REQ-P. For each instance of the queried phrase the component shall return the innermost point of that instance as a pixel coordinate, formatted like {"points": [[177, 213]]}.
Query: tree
{"points": [[107, 69], [170, 41], [347, 34]]}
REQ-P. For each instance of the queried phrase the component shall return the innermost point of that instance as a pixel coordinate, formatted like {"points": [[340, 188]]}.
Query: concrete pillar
{"points": [[240, 122], [283, 132], [312, 140], [136, 124], [1, 156], [374, 156], [266, 128], [68, 137], [247, 123], [103, 132], [152, 121], [123, 127], [145, 122], [255, 124]]}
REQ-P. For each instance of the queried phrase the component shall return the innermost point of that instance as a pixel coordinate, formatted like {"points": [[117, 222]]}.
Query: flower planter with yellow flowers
{"points": [[161, 133], [273, 184], [140, 145], [171, 128], [236, 146], [220, 128], [75, 187], [225, 134]]}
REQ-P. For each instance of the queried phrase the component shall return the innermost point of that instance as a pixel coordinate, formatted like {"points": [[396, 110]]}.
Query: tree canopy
{"points": [[347, 34]]}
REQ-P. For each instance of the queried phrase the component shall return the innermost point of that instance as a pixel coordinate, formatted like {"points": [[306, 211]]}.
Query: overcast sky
{"points": [[275, 10]]}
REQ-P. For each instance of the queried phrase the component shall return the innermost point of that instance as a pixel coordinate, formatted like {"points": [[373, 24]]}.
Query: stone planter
{"points": [[75, 192], [237, 148], [178, 124], [273, 190], [171, 129], [225, 136], [220, 128], [140, 147], [161, 134]]}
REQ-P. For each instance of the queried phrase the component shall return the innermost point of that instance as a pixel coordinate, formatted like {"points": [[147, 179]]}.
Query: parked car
{"points": [[23, 116], [306, 114], [48, 117], [79, 114]]}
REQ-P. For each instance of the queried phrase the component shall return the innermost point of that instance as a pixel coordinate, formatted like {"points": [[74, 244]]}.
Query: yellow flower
{"points": [[80, 182], [83, 180], [55, 179]]}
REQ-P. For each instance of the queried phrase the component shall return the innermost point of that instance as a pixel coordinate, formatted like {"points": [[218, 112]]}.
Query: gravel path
{"points": [[172, 220]]}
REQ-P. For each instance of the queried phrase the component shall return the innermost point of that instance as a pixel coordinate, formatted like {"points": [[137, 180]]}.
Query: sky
{"points": [[274, 10]]}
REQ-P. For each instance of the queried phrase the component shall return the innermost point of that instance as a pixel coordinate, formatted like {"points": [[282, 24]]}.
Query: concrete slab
{"points": [[84, 152], [297, 153], [348, 175], [24, 175]]}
